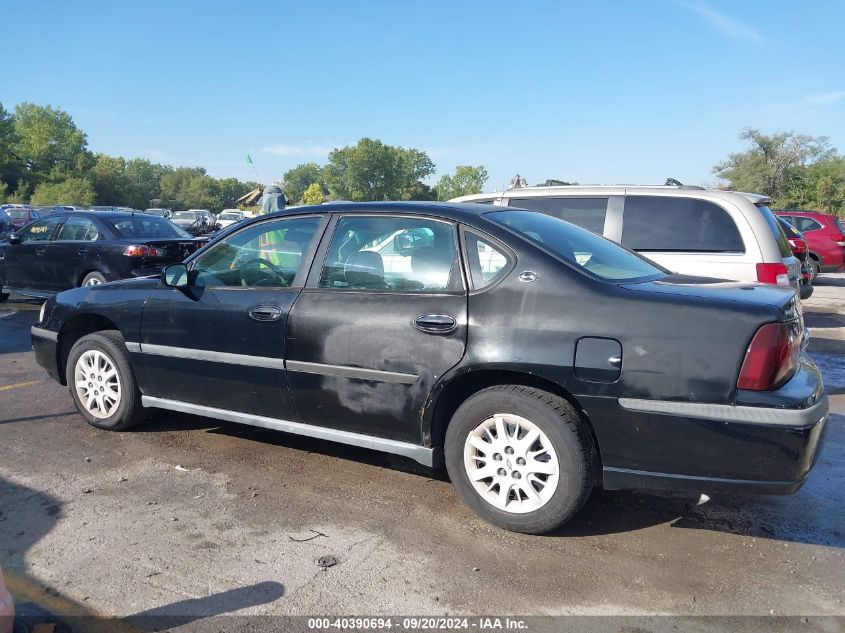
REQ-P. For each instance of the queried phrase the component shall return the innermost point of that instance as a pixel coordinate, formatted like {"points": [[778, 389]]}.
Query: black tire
{"points": [[562, 426], [128, 411], [4, 296], [814, 270], [93, 278]]}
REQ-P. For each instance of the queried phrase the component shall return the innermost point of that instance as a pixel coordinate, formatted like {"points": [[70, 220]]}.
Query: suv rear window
{"points": [[582, 249], [588, 213], [674, 224]]}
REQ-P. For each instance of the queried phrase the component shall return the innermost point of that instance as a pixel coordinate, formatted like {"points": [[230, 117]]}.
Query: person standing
{"points": [[273, 199]]}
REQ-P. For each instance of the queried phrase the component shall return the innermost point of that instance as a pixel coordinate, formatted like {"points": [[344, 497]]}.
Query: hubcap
{"points": [[93, 282], [511, 463], [97, 384]]}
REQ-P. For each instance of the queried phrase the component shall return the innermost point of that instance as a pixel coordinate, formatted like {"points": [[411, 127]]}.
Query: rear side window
{"points": [[78, 229], [653, 223], [588, 213], [806, 224], [488, 262]]}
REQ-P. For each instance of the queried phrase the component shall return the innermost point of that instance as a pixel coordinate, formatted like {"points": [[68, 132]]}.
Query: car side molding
{"points": [[732, 413], [421, 454]]}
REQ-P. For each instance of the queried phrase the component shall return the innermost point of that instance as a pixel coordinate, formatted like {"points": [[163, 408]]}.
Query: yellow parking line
{"points": [[26, 589], [19, 384]]}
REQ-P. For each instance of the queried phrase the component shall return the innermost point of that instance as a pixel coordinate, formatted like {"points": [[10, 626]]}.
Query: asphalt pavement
{"points": [[191, 517]]}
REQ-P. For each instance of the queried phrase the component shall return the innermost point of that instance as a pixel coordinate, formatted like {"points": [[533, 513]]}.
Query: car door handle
{"points": [[265, 313], [436, 323], [40, 251], [82, 251]]}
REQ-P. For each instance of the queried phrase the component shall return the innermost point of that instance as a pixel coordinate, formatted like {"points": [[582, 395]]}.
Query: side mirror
{"points": [[175, 276], [15, 239]]}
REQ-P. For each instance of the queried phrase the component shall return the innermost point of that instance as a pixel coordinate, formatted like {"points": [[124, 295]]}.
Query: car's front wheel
{"points": [[102, 383], [520, 457]]}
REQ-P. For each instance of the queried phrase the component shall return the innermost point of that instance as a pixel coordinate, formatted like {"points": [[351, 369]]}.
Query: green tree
{"points": [[466, 180], [10, 163], [144, 181], [49, 143], [313, 194], [371, 170], [773, 162], [298, 179], [108, 176], [72, 191]]}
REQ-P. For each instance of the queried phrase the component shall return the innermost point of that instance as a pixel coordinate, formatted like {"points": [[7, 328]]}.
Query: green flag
{"points": [[249, 159]]}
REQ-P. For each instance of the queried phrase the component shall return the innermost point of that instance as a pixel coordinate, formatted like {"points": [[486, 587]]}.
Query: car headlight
{"points": [[41, 314]]}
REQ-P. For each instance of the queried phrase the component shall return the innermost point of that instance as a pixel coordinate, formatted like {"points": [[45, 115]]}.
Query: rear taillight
{"points": [[139, 250], [772, 356], [773, 274], [798, 247], [839, 240]]}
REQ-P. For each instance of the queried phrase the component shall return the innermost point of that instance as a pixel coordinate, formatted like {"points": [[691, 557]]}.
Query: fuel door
{"points": [[598, 359]]}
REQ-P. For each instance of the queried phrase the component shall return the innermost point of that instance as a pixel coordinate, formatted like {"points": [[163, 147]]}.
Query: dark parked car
{"points": [[193, 221], [66, 250], [800, 251], [539, 359], [5, 224], [21, 216], [825, 236]]}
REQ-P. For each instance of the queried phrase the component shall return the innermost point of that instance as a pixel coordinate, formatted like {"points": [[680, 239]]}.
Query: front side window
{"points": [[268, 254], [78, 230], [41, 231], [392, 253], [588, 213], [674, 224], [580, 248]]}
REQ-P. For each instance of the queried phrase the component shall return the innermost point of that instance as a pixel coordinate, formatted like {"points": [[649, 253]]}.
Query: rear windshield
{"points": [[182, 215], [230, 216], [18, 214], [578, 247], [841, 225], [780, 236], [146, 227], [157, 212]]}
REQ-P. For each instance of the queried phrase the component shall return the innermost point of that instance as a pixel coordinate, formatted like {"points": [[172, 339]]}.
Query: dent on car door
{"points": [[382, 318], [220, 342], [27, 262]]}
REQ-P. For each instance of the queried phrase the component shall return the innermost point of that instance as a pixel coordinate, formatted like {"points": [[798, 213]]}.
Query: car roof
{"points": [[452, 210], [618, 190]]}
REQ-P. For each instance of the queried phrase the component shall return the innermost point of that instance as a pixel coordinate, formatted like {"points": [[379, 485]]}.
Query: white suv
{"points": [[688, 230]]}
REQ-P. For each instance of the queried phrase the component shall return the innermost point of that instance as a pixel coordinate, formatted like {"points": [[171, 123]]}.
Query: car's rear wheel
{"points": [[522, 458], [93, 279], [102, 383]]}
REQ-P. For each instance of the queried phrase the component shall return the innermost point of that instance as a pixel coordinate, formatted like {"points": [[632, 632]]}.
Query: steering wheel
{"points": [[271, 268]]}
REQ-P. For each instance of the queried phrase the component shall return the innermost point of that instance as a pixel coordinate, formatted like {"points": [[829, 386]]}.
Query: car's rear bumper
{"points": [[766, 442]]}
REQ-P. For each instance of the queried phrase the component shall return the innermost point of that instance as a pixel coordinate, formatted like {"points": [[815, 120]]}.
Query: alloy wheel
{"points": [[511, 463], [97, 383]]}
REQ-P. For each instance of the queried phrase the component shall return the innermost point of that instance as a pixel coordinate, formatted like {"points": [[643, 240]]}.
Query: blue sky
{"points": [[599, 92]]}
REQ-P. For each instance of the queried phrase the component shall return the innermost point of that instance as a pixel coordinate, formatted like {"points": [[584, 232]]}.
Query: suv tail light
{"points": [[773, 274], [772, 357], [139, 250], [798, 246]]}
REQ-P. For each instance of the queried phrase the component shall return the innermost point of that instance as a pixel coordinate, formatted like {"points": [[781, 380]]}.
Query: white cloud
{"points": [[823, 98], [725, 25], [297, 150]]}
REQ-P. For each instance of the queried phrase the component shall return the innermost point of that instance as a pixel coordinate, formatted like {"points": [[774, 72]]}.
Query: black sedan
{"points": [[537, 358], [65, 250]]}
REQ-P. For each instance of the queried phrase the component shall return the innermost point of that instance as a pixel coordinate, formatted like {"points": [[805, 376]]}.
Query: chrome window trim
{"points": [[418, 453]]}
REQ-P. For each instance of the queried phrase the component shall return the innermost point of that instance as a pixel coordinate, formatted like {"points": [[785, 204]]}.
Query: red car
{"points": [[21, 216], [825, 235]]}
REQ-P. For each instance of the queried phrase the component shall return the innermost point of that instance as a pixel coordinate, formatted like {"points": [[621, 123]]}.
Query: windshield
{"points": [[230, 216], [184, 215], [147, 227], [578, 247], [780, 236]]}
